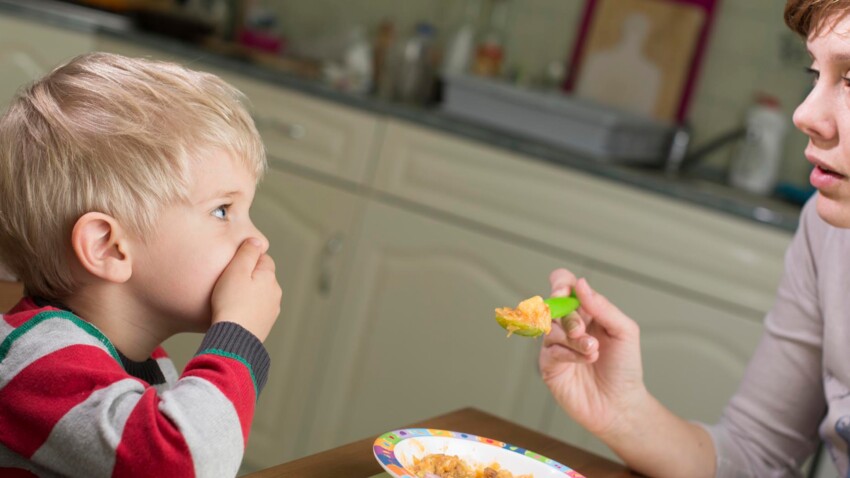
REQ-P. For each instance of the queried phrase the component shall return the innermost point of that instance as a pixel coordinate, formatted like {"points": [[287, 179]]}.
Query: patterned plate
{"points": [[396, 451]]}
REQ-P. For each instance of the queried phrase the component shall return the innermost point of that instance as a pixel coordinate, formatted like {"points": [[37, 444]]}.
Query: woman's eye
{"points": [[221, 211], [814, 74]]}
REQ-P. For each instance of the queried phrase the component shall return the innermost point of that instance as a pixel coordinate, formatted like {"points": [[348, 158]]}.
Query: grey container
{"points": [[595, 130]]}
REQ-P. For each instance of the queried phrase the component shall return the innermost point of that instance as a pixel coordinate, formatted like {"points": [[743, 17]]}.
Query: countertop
{"points": [[713, 195]]}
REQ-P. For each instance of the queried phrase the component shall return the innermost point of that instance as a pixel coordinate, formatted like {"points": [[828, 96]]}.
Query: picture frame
{"points": [[642, 56]]}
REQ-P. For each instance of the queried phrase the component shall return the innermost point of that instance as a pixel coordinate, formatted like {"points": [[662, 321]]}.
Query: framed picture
{"points": [[641, 56]]}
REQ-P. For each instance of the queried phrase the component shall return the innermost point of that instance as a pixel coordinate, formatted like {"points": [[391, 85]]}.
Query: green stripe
{"points": [[234, 356], [57, 314]]}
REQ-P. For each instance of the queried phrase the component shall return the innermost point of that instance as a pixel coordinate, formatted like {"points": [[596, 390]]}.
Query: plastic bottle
{"points": [[490, 51], [459, 51], [755, 166], [415, 74], [359, 62], [382, 49]]}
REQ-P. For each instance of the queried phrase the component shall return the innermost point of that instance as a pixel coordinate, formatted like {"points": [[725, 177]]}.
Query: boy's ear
{"points": [[101, 246]]}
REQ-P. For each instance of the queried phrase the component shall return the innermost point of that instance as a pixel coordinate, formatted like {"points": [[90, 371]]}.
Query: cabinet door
{"points": [[693, 355], [29, 50], [417, 335], [309, 227]]}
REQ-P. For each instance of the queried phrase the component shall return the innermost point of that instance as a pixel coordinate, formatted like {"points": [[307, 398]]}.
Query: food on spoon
{"points": [[449, 466], [533, 317]]}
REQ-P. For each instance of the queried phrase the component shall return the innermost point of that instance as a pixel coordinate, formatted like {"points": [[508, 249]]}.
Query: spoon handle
{"points": [[561, 306]]}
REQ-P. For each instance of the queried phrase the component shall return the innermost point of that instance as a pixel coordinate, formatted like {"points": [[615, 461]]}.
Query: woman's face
{"points": [[824, 116]]}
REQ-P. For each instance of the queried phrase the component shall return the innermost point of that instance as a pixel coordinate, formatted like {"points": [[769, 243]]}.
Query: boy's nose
{"points": [[256, 233]]}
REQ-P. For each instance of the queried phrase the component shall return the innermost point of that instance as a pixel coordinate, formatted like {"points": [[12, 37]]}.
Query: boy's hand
{"points": [[247, 293]]}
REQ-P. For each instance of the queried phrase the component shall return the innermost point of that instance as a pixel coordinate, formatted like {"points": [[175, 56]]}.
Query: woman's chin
{"points": [[836, 212]]}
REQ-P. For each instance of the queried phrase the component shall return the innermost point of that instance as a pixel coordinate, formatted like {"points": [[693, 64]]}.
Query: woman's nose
{"points": [[813, 116]]}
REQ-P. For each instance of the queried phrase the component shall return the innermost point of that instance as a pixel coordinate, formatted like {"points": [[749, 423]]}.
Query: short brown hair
{"points": [[110, 134], [808, 17]]}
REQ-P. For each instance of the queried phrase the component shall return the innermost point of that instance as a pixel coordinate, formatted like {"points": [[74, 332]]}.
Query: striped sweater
{"points": [[73, 405]]}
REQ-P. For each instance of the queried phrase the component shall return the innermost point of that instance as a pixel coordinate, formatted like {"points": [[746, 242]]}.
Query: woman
{"points": [[796, 390]]}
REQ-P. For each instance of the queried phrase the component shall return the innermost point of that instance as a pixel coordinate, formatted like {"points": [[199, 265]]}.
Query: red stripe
{"points": [[16, 473], [232, 378], [151, 444], [42, 393], [159, 353], [24, 311]]}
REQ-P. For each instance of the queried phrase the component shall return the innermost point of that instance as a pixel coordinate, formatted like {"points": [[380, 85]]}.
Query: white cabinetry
{"points": [[437, 231], [416, 335], [29, 50]]}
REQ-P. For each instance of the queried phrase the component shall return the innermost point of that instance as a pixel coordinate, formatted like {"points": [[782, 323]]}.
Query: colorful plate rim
{"points": [[384, 449]]}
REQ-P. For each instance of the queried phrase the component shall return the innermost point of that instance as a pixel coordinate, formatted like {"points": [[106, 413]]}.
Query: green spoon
{"points": [[558, 307]]}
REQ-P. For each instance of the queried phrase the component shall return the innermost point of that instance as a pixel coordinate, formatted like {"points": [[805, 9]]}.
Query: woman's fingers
{"points": [[603, 312], [562, 282], [572, 334], [560, 353]]}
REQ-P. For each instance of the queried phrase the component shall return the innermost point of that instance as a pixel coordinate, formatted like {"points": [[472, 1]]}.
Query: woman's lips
{"points": [[822, 178]]}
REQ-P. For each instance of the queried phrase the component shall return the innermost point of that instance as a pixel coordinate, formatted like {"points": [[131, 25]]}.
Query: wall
{"points": [[750, 51]]}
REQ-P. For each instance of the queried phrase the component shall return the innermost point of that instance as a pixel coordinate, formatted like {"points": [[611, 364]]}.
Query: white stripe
{"points": [[46, 337], [209, 424], [10, 459], [85, 439], [169, 372]]}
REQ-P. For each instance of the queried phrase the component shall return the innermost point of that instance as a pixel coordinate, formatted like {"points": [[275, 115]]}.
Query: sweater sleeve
{"points": [[769, 427], [67, 406]]}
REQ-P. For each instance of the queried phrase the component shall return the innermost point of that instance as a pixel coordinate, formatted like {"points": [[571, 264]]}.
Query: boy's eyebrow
{"points": [[219, 194]]}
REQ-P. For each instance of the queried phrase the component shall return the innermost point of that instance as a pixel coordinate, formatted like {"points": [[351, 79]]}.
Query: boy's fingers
{"points": [[246, 257], [561, 281], [606, 314], [265, 264]]}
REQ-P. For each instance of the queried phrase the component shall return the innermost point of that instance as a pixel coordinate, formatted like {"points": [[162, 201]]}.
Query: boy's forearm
{"points": [[656, 442]]}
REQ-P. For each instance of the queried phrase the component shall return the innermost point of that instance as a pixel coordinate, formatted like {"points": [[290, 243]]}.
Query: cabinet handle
{"points": [[294, 131], [332, 248]]}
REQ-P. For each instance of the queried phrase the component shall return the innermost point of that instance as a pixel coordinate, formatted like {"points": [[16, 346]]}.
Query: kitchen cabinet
{"points": [[30, 49], [416, 334]]}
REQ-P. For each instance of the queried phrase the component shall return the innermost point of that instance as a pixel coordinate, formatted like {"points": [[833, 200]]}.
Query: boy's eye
{"points": [[221, 211]]}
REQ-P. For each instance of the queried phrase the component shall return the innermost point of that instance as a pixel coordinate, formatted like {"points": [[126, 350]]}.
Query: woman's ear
{"points": [[101, 246]]}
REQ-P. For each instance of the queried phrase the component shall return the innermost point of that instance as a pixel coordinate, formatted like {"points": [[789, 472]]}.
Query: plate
{"points": [[396, 451]]}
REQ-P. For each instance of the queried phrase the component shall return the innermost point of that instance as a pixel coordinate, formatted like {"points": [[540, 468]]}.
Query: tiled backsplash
{"points": [[750, 51]]}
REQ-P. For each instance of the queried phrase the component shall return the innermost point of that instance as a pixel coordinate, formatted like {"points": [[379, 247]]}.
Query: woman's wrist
{"points": [[636, 413]]}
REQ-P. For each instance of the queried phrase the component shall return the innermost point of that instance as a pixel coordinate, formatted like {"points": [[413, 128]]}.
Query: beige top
{"points": [[796, 389]]}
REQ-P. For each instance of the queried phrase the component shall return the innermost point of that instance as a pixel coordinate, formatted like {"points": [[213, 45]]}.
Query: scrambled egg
{"points": [[448, 466]]}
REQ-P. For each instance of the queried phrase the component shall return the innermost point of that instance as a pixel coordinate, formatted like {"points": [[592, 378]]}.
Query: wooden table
{"points": [[356, 460]]}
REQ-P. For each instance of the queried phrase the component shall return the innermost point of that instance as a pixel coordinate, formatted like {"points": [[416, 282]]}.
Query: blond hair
{"points": [[809, 17], [110, 134]]}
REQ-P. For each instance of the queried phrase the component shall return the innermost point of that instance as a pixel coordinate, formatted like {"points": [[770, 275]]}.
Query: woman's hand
{"points": [[591, 360]]}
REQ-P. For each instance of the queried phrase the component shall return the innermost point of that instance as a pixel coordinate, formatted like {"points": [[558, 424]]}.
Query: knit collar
{"points": [[147, 370]]}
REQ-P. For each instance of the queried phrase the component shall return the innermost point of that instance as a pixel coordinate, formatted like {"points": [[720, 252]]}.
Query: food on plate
{"points": [[533, 317], [449, 466]]}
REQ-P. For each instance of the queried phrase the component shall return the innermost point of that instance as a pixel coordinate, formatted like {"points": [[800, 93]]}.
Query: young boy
{"points": [[125, 186]]}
